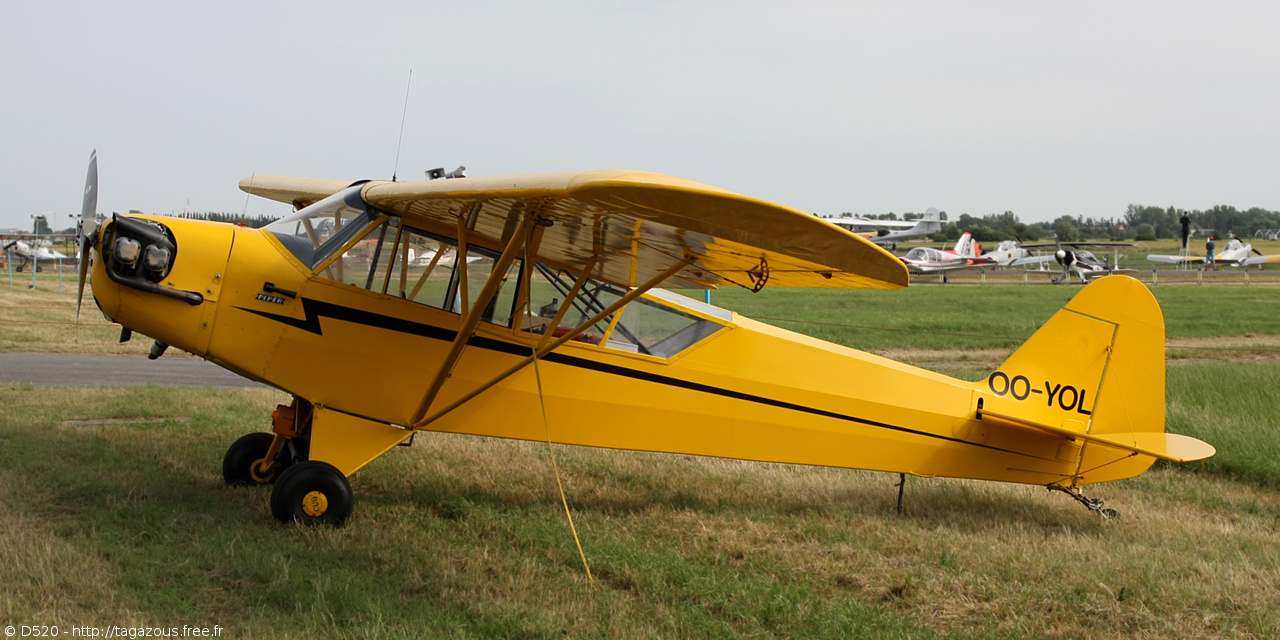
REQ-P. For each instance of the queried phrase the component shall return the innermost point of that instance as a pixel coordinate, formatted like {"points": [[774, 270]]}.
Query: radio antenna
{"points": [[246, 196], [400, 141]]}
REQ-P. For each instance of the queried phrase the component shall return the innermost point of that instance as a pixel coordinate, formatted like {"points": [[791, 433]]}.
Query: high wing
{"points": [[891, 231], [1267, 259], [1175, 259], [1044, 245], [1248, 262], [633, 225]]}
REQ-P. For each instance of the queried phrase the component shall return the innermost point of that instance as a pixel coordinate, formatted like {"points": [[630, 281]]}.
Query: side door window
{"points": [[411, 264]]}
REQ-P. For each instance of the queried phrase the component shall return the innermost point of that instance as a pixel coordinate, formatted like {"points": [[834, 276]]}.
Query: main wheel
{"points": [[312, 493], [237, 465]]}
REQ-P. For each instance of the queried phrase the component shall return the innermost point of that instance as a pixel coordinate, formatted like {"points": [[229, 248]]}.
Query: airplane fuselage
{"points": [[742, 390]]}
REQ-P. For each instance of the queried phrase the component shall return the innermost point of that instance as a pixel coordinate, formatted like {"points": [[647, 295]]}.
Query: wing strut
{"points": [[490, 289], [568, 299], [544, 350]]}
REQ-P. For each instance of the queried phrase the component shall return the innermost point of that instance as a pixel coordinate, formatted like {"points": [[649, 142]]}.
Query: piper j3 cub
{"points": [[562, 317]]}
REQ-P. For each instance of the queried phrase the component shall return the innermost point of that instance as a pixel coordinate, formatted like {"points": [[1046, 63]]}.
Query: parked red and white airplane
{"points": [[967, 254]]}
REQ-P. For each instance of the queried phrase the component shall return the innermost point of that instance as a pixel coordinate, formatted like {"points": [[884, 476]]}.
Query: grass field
{"points": [[967, 318], [924, 318], [114, 511], [129, 524]]}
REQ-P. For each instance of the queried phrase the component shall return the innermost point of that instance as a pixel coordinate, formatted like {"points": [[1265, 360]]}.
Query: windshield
{"points": [[312, 234]]}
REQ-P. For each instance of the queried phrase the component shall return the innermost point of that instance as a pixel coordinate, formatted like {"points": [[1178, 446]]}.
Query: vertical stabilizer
{"points": [[966, 246], [1096, 368]]}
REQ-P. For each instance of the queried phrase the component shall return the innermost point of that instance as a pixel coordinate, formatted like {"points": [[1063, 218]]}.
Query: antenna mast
{"points": [[403, 113]]}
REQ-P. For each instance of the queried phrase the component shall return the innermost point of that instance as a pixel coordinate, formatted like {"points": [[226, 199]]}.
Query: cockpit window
{"points": [[381, 254], [644, 326], [926, 254], [411, 264]]}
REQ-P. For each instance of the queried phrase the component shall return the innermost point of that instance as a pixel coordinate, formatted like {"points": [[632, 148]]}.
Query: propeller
{"points": [[1064, 258], [88, 224]]}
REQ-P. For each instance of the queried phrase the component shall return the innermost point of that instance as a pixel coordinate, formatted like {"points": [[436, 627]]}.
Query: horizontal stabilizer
{"points": [[1165, 446]]}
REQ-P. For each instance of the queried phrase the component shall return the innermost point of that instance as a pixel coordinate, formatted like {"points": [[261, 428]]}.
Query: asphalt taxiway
{"points": [[77, 370]]}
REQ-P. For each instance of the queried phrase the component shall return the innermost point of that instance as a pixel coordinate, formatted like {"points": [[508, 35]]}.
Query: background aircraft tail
{"points": [[967, 246], [1095, 374]]}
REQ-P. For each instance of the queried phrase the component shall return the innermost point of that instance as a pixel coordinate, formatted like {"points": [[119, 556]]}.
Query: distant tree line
{"points": [[1156, 222], [256, 222], [1139, 222]]}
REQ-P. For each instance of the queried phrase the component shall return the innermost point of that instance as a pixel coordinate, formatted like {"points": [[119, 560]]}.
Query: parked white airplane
{"points": [[1236, 254], [891, 231], [1011, 253], [27, 252], [1083, 264]]}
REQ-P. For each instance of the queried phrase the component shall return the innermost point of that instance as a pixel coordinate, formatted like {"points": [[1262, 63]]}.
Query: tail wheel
{"points": [[312, 493], [243, 456]]}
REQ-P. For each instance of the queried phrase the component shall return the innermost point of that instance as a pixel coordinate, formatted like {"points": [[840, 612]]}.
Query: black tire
{"points": [[240, 457], [312, 493]]}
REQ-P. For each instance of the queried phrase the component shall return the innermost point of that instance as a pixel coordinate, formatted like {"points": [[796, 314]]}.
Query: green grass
{"points": [[986, 317], [465, 537], [1232, 405], [130, 524]]}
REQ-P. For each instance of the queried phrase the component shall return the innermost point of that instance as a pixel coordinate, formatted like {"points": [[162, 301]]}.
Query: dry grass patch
{"points": [[1251, 347], [466, 536], [971, 556], [42, 321]]}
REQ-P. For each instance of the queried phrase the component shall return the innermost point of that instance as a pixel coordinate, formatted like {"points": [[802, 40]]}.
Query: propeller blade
{"points": [[88, 224]]}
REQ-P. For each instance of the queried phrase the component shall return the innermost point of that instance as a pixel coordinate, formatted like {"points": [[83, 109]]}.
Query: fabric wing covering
{"points": [[639, 224]]}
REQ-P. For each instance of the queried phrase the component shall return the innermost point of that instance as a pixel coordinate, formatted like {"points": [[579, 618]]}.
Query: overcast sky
{"points": [[1044, 109]]}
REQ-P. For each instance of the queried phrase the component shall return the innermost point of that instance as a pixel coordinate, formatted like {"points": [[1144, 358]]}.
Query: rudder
{"points": [[1095, 372]]}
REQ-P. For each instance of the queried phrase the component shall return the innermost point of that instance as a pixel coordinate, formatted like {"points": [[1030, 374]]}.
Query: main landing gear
{"points": [[312, 492], [243, 463], [306, 491]]}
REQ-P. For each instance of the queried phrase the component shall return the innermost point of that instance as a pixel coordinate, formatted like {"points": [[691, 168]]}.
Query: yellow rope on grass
{"points": [[542, 402]]}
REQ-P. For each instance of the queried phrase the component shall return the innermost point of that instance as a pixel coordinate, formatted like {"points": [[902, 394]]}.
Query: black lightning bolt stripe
{"points": [[315, 309]]}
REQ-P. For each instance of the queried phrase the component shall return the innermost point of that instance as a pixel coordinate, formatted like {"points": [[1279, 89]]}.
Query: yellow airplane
{"points": [[559, 333]]}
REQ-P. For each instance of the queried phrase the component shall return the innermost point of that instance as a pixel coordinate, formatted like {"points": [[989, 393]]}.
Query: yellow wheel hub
{"points": [[260, 472], [315, 504]]}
